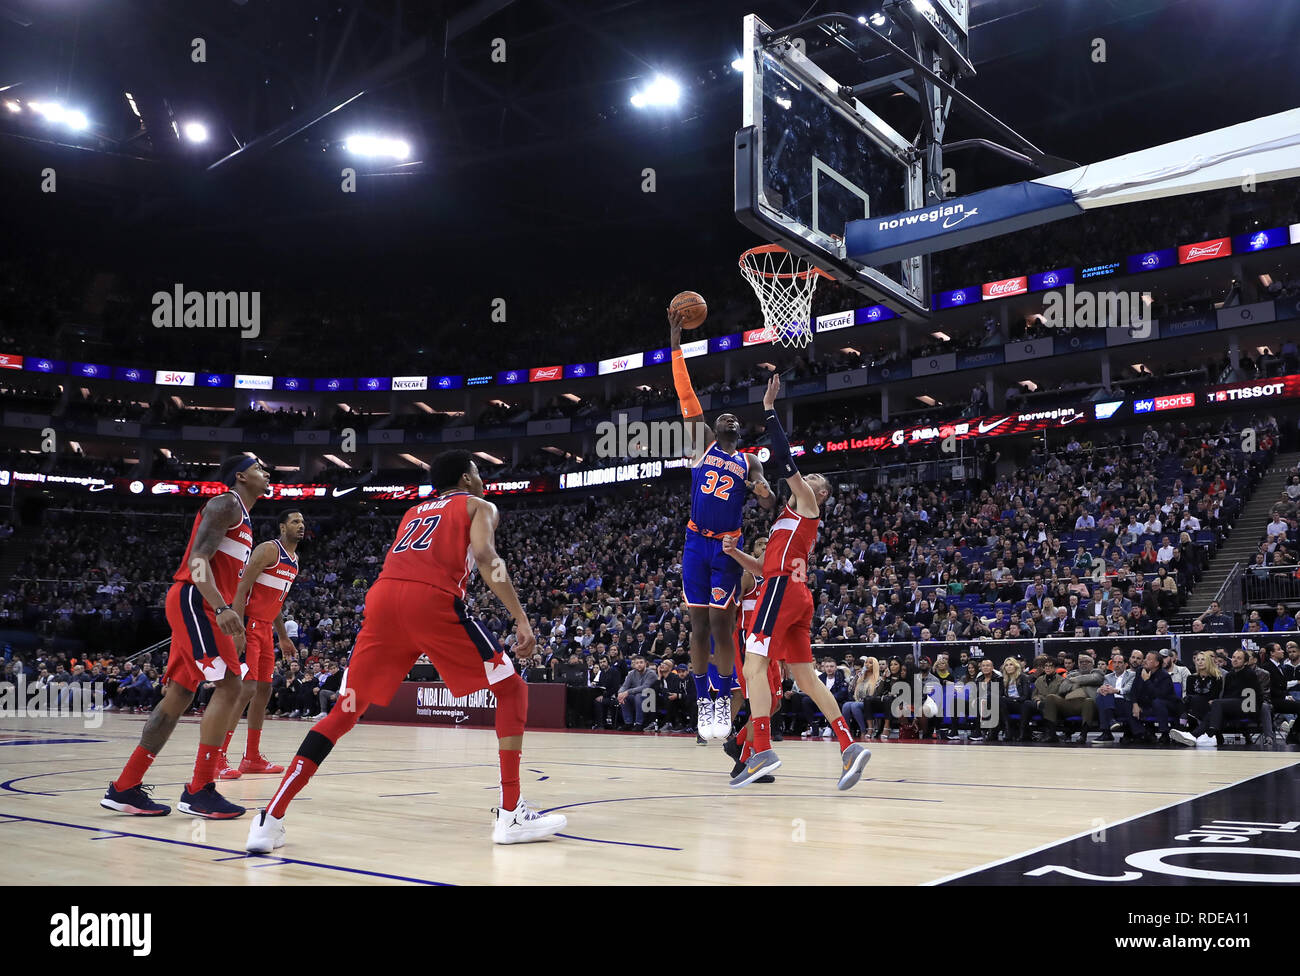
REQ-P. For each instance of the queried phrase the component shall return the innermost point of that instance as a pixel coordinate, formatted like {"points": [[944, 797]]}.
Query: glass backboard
{"points": [[809, 161]]}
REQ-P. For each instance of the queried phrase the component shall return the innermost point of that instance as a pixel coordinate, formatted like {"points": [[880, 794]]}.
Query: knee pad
{"points": [[512, 706]]}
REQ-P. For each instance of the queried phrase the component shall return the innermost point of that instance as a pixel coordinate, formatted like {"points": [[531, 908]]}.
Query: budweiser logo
{"points": [[547, 373], [1211, 250]]}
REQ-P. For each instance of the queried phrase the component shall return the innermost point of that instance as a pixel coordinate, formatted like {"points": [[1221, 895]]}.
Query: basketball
{"points": [[696, 309]]}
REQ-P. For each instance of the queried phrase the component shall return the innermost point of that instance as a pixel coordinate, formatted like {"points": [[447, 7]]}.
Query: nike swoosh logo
{"points": [[101, 487], [1066, 423], [340, 492], [985, 428], [463, 718]]}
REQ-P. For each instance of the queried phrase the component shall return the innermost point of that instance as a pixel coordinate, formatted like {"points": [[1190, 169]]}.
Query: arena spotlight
{"points": [[362, 144], [662, 91], [55, 112], [12, 105], [195, 131], [130, 100], [738, 64], [878, 19]]}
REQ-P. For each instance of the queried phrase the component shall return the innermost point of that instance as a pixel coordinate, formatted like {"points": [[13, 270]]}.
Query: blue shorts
{"points": [[710, 578]]}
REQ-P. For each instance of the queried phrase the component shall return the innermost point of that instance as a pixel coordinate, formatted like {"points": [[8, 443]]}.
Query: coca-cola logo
{"points": [[1009, 287]]}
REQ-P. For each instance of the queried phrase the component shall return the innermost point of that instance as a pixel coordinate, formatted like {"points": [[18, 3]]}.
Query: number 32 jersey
{"points": [[432, 545], [718, 491]]}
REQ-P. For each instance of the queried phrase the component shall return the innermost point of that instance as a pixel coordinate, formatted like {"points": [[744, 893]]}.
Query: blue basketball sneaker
{"points": [[209, 804], [135, 801]]}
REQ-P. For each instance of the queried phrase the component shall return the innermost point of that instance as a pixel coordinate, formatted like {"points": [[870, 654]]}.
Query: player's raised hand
{"points": [[675, 317], [728, 544], [525, 642], [773, 389], [760, 488]]}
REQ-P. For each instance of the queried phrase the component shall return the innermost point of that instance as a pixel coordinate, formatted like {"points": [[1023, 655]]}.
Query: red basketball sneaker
{"points": [[225, 770], [259, 765]]}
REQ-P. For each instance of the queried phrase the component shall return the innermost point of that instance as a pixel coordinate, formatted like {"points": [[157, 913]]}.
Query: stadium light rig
{"points": [[362, 144], [57, 113], [195, 131], [661, 92]]}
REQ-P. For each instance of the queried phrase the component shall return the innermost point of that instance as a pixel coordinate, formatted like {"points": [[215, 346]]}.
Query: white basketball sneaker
{"points": [[722, 717], [522, 824], [704, 718], [265, 833]]}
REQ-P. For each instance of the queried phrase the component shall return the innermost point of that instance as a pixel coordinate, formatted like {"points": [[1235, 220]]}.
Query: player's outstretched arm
{"points": [[758, 484], [805, 499], [692, 412], [219, 516], [483, 547], [747, 562]]}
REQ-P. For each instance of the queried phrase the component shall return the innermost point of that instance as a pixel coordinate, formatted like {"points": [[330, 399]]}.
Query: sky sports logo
{"points": [[1156, 404]]}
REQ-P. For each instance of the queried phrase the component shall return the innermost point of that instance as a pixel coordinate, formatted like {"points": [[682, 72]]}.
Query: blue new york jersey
{"points": [[710, 578], [718, 491]]}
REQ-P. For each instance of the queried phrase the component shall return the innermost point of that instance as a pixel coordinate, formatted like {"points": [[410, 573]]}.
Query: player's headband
{"points": [[243, 465]]}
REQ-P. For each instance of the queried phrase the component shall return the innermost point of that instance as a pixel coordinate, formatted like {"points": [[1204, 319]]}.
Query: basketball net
{"points": [[784, 284]]}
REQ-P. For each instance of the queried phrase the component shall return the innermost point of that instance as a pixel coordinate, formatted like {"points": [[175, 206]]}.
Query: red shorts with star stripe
{"points": [[200, 651]]}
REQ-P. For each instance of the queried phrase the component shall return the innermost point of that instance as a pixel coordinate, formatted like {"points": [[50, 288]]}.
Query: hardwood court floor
{"points": [[410, 805]]}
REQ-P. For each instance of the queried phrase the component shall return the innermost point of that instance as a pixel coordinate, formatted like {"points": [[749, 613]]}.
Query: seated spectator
{"points": [[1242, 698], [1113, 697], [632, 695], [1016, 696], [1075, 694], [1203, 686], [1153, 697]]}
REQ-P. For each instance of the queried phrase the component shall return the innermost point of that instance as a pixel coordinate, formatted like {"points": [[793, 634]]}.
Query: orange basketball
{"points": [[694, 306]]}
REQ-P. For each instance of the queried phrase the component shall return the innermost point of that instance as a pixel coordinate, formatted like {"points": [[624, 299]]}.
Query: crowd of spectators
{"points": [[1103, 539]]}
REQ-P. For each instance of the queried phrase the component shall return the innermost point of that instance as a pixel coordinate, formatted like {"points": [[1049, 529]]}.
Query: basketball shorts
{"points": [[259, 649], [773, 672], [710, 578], [404, 619], [783, 623], [200, 651]]}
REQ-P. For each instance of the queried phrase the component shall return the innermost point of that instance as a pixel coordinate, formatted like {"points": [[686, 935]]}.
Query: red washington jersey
{"points": [[432, 545], [789, 545], [271, 587], [229, 560], [748, 607]]}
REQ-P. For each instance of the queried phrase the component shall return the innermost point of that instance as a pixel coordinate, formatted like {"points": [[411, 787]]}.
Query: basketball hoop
{"points": [[784, 284]]}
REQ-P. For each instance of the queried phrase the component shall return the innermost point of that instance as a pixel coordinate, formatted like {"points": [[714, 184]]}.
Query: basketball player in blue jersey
{"points": [[720, 474]]}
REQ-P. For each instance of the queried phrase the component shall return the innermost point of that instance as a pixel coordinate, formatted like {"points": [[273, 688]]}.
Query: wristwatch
{"points": [[218, 612]]}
